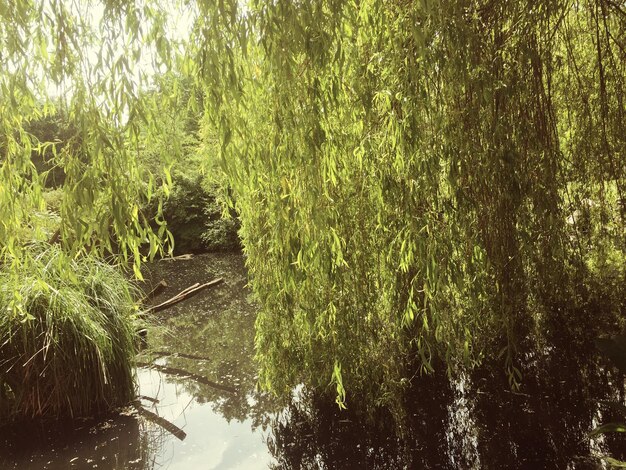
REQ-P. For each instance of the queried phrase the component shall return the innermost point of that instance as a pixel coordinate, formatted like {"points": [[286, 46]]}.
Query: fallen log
{"points": [[185, 257], [183, 295], [155, 418], [187, 375]]}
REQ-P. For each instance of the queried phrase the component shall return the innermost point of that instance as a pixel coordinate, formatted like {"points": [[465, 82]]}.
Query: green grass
{"points": [[67, 337]]}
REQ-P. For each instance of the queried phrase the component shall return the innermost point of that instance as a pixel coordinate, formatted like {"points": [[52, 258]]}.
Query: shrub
{"points": [[194, 215]]}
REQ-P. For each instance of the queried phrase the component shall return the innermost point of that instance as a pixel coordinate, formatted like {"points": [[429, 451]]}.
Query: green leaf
{"points": [[614, 462], [609, 427]]}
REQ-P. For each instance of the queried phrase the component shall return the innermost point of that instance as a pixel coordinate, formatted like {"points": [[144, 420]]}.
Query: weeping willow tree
{"points": [[404, 173], [419, 183]]}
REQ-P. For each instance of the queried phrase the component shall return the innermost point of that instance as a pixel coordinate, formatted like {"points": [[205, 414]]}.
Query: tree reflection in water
{"points": [[217, 328], [473, 421], [313, 433], [118, 443]]}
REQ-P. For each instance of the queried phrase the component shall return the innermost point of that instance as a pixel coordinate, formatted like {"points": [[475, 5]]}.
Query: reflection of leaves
{"points": [[614, 406], [313, 432], [124, 442], [614, 462], [609, 427], [614, 349], [218, 328]]}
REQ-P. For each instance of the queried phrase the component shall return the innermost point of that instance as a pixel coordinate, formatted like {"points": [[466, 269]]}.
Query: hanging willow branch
{"points": [[404, 171]]}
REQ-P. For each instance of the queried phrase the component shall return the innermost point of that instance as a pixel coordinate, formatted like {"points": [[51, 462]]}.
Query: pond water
{"points": [[199, 407]]}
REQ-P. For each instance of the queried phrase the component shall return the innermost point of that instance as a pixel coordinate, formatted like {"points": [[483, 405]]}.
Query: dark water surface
{"points": [[199, 380]]}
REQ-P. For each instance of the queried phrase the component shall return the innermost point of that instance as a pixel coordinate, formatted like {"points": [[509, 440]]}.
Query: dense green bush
{"points": [[57, 129], [191, 208], [67, 337], [195, 217]]}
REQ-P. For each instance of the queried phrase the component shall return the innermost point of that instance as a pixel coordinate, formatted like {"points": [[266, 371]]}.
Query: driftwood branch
{"points": [[184, 292], [183, 295], [150, 399], [185, 257], [188, 375], [155, 418]]}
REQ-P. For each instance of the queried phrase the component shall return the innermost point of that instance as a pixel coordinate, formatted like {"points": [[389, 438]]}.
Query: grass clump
{"points": [[67, 337]]}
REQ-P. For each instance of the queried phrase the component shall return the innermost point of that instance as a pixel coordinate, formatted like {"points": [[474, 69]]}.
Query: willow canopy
{"points": [[417, 181]]}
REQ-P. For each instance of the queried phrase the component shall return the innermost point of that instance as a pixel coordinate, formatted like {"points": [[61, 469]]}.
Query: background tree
{"points": [[88, 62]]}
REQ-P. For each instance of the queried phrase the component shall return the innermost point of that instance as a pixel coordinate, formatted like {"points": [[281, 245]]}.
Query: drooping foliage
{"points": [[89, 62], [415, 180], [411, 176]]}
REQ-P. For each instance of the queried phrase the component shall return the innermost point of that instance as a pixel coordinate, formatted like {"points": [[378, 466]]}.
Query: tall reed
{"points": [[67, 344]]}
